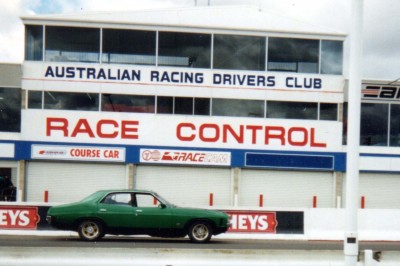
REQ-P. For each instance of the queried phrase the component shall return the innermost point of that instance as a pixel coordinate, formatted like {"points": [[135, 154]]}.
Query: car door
{"points": [[116, 210], [149, 214]]}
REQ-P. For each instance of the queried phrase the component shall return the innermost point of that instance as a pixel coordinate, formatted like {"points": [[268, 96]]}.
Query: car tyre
{"points": [[200, 232], [90, 230]]}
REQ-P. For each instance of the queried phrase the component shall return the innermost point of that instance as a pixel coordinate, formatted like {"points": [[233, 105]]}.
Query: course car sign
{"points": [[59, 152]]}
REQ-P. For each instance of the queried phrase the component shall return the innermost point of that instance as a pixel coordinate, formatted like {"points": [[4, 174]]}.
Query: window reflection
{"points": [[10, 110], [395, 125], [65, 44], [239, 52], [35, 99], [202, 106], [374, 124], [331, 57], [127, 103], [239, 108], [293, 55], [184, 49], [129, 47], [292, 110], [71, 101], [328, 111], [34, 42]]}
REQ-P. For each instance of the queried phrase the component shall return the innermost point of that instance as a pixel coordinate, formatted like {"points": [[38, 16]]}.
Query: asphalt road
{"points": [[159, 243]]}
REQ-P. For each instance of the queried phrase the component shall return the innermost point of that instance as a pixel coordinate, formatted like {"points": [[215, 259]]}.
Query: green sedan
{"points": [[136, 212]]}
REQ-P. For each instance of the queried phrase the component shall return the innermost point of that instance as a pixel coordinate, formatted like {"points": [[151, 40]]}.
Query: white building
{"points": [[233, 105]]}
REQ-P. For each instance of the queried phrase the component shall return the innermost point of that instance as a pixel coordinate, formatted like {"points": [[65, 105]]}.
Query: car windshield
{"points": [[91, 197]]}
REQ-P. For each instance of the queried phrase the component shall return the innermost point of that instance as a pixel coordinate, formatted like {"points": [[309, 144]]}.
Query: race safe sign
{"points": [[19, 217], [252, 222], [59, 152], [185, 157]]}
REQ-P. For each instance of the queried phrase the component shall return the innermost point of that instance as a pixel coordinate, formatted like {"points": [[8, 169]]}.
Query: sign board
{"points": [[192, 157], [178, 131], [82, 153]]}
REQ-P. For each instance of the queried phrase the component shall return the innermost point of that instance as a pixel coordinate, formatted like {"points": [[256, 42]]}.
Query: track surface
{"points": [[215, 244]]}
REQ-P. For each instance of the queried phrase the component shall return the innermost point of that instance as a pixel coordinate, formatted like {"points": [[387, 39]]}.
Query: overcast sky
{"points": [[381, 23]]}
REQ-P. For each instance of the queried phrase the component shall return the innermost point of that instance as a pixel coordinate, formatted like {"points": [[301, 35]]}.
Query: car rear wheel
{"points": [[200, 232], [90, 230]]}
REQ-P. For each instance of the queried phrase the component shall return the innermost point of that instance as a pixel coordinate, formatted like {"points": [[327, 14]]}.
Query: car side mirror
{"points": [[162, 206]]}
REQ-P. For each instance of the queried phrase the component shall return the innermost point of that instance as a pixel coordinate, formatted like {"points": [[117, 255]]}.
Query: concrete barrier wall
{"points": [[373, 224], [302, 224]]}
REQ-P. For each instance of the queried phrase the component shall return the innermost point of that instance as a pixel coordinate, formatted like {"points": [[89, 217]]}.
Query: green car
{"points": [[136, 212]]}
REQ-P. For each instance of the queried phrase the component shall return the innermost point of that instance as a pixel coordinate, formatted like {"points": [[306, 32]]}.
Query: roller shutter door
{"points": [[286, 188], [380, 190], [68, 182], [187, 186]]}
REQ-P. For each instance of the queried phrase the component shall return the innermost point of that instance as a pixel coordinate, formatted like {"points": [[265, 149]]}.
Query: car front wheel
{"points": [[200, 232], [90, 230]]}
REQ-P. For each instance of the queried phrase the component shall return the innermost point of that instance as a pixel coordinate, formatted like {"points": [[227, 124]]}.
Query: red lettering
{"points": [[99, 129], [18, 217], [129, 129], [280, 134], [105, 128], [213, 128], [238, 137], [54, 123], [253, 130], [313, 143], [179, 129], [291, 137], [82, 127]]}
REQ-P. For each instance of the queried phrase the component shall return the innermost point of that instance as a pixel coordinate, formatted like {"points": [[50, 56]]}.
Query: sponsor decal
{"points": [[19, 217], [78, 153], [378, 92], [185, 157], [252, 222]]}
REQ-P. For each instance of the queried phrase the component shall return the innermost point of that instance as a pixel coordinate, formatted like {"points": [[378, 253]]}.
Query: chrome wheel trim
{"points": [[90, 230], [200, 232]]}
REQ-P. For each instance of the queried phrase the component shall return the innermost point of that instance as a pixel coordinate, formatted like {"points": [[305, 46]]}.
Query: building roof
{"points": [[236, 18]]}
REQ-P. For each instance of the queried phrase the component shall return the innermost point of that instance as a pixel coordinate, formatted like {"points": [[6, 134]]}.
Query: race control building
{"points": [[223, 106]]}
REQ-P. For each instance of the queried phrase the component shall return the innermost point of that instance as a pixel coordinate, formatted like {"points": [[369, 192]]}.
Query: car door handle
{"points": [[139, 211], [103, 210]]}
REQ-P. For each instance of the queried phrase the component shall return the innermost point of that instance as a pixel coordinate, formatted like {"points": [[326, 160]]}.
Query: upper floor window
{"points": [[239, 52], [34, 42], [292, 110], [71, 101], [10, 110], [184, 49], [35, 99], [374, 124], [331, 57], [127, 103], [129, 47], [293, 55], [65, 44], [328, 111], [183, 105], [237, 107]]}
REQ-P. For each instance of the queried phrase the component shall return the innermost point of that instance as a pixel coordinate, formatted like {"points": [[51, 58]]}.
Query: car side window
{"points": [[146, 200], [118, 199]]}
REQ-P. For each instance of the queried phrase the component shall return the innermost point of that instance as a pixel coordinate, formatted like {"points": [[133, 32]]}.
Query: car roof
{"points": [[106, 191]]}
